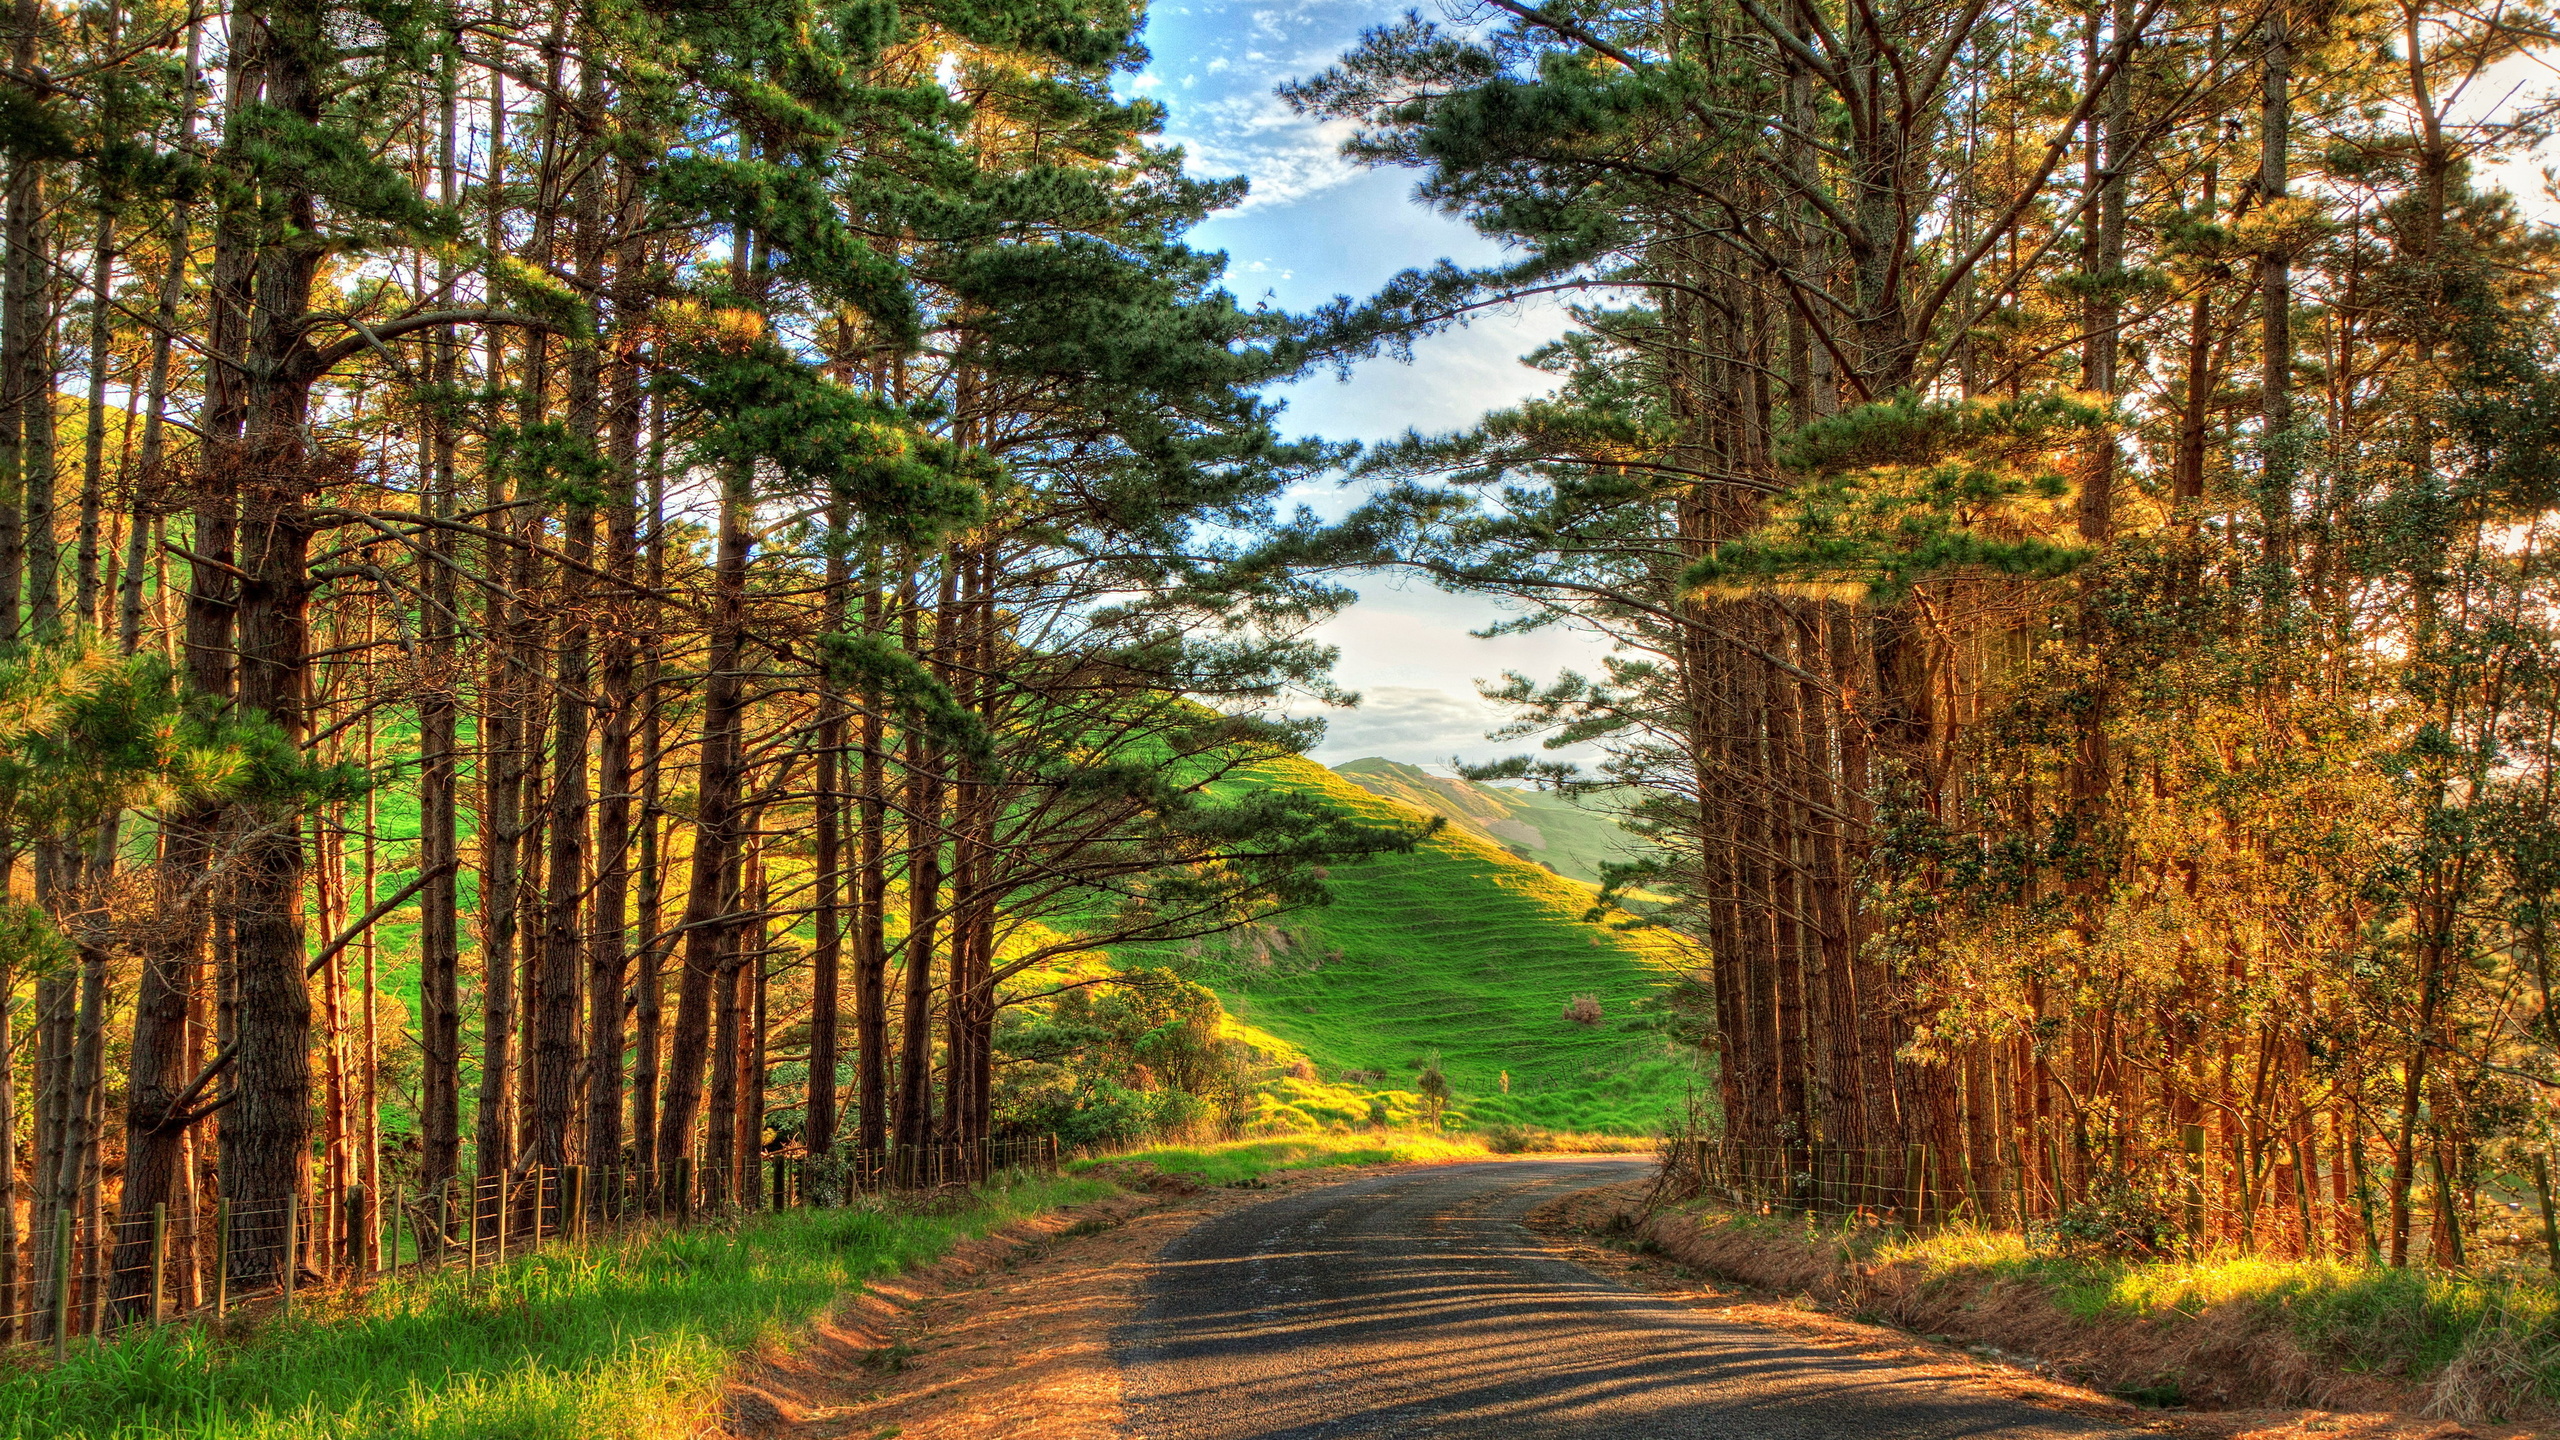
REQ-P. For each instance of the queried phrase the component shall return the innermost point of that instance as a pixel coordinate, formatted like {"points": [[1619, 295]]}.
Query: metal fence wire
{"points": [[2191, 1196], [104, 1275]]}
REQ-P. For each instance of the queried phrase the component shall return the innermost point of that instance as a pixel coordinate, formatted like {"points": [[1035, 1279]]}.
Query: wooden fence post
{"points": [[1915, 1183], [159, 1263], [2193, 1139], [222, 1257], [292, 1227], [2550, 1224]]}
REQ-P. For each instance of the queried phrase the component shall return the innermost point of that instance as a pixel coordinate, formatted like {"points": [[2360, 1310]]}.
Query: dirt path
{"points": [[1006, 1337], [1416, 1305], [1396, 1301]]}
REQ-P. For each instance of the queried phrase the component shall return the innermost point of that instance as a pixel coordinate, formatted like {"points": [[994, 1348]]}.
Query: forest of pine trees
{"points": [[703, 533], [2072, 490]]}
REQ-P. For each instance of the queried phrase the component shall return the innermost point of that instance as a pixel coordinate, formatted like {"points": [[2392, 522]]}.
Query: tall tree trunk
{"points": [[2280, 460], [163, 1052], [86, 605], [608, 955], [439, 745], [721, 1148], [871, 905], [501, 746], [818, 1123], [718, 785], [268, 1123], [55, 1001], [924, 805], [755, 943], [559, 970], [650, 986], [26, 372], [551, 1085]]}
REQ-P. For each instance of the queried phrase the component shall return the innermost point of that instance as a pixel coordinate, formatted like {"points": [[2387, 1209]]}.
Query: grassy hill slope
{"points": [[1462, 950], [1569, 838]]}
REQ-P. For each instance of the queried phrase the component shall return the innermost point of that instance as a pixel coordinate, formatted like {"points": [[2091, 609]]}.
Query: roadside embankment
{"points": [[2218, 1332], [631, 1337]]}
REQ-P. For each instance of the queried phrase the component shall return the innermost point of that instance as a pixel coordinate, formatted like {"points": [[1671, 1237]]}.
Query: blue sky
{"points": [[1315, 227]]}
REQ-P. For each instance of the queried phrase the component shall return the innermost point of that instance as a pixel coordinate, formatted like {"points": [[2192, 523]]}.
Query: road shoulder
{"points": [[1584, 1228]]}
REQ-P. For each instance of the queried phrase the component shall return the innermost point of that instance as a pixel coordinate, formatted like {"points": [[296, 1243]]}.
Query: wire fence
{"points": [[2190, 1197], [104, 1275]]}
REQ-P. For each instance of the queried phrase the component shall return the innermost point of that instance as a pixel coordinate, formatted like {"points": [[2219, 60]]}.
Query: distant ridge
{"points": [[1571, 838]]}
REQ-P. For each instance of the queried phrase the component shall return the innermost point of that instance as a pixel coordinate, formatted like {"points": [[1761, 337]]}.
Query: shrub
{"points": [[1434, 1089], [1585, 1010], [2117, 1218]]}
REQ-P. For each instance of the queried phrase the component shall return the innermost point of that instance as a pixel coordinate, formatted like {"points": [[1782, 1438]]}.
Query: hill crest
{"points": [[1573, 838]]}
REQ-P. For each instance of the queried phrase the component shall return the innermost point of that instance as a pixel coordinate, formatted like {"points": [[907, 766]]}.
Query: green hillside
{"points": [[1461, 950], [1569, 837], [1464, 949]]}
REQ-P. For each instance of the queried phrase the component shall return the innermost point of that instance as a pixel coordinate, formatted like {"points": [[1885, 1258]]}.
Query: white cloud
{"points": [[1405, 722], [1405, 649], [1286, 157]]}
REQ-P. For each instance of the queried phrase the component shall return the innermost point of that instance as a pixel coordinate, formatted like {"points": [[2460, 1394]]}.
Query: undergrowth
{"points": [[625, 1338]]}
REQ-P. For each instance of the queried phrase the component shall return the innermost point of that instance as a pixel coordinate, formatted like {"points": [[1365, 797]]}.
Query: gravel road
{"points": [[1414, 1305]]}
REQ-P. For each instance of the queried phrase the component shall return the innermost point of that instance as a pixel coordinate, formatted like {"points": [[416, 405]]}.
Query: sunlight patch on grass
{"points": [[2414, 1322], [629, 1338], [1227, 1161]]}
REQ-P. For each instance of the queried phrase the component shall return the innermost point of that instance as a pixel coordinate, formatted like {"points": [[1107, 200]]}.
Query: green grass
{"points": [[1232, 1160], [2500, 1326], [2362, 1317], [1460, 950], [627, 1339]]}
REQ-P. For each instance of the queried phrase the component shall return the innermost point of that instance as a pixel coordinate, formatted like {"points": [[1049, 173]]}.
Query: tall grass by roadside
{"points": [[627, 1338], [2364, 1318], [2475, 1344]]}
